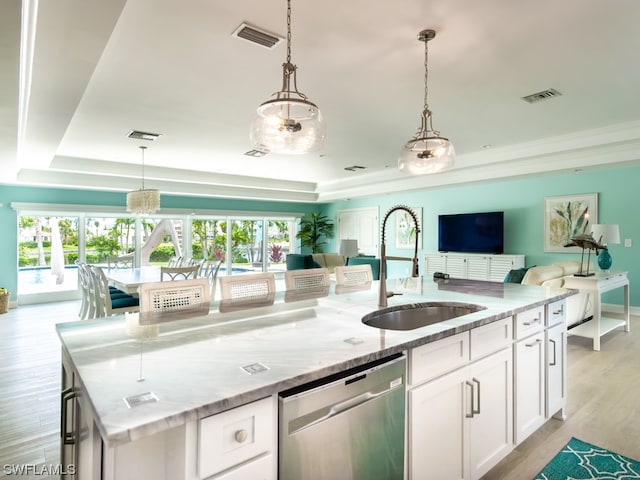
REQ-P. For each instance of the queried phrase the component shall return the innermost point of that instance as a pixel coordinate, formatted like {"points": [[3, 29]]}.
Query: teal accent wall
{"points": [[522, 200], [9, 218]]}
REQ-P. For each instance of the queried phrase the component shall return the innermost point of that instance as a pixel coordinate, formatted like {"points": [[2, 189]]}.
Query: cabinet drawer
{"points": [[556, 313], [235, 436], [529, 322], [259, 469], [491, 338], [439, 357]]}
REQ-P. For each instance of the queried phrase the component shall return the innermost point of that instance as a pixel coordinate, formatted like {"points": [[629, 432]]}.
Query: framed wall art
{"points": [[566, 216], [405, 229]]}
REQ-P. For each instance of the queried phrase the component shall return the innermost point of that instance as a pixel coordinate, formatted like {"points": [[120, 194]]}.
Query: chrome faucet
{"points": [[383, 295]]}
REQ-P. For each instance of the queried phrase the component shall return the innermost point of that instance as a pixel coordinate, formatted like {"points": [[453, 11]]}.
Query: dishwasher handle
{"points": [[320, 416]]}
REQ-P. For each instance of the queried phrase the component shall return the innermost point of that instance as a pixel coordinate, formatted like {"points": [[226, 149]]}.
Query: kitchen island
{"points": [[152, 386]]}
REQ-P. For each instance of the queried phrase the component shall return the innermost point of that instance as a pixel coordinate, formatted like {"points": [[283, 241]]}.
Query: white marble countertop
{"points": [[194, 365]]}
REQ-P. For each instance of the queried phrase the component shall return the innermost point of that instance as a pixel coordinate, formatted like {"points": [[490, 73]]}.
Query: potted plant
{"points": [[315, 230], [4, 300]]}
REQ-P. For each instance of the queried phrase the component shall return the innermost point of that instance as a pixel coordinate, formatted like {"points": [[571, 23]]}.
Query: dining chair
{"points": [[306, 279], [353, 275], [165, 297], [179, 273], [108, 303], [174, 261], [209, 270], [247, 286], [125, 261], [87, 304]]}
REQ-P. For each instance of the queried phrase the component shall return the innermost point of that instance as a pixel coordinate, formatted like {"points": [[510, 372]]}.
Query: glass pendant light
{"points": [[143, 201], [427, 151], [288, 122]]}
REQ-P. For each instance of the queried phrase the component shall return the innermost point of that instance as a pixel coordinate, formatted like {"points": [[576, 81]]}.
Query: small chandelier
{"points": [[143, 201], [427, 151], [288, 122]]}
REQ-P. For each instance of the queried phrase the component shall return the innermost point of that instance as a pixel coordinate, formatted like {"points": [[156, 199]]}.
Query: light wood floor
{"points": [[603, 407]]}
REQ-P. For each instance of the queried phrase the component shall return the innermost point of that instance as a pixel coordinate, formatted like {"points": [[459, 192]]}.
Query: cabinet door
{"points": [[556, 370], [491, 424], [456, 266], [529, 385], [438, 428], [477, 268], [435, 263], [499, 267]]}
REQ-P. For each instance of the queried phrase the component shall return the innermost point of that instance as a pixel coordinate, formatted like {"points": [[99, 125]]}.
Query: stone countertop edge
{"points": [[114, 434]]}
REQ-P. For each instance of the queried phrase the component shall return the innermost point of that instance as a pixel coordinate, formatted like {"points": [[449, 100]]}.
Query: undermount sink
{"points": [[416, 315]]}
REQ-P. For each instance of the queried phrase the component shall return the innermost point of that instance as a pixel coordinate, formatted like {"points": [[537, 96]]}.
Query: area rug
{"points": [[580, 460]]}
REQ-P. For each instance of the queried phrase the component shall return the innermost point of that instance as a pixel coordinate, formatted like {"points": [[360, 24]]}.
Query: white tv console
{"points": [[473, 266]]}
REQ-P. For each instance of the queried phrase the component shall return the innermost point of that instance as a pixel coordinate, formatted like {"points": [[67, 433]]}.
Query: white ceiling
{"points": [[89, 71]]}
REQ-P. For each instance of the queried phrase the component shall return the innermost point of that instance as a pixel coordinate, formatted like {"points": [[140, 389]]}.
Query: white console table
{"points": [[596, 285]]}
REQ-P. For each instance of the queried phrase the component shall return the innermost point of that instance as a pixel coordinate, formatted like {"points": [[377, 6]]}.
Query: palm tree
{"points": [[314, 227]]}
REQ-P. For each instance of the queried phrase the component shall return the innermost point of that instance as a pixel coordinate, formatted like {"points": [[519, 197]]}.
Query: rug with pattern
{"points": [[580, 460]]}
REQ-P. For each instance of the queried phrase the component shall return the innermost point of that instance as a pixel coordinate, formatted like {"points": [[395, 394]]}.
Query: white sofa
{"points": [[580, 306]]}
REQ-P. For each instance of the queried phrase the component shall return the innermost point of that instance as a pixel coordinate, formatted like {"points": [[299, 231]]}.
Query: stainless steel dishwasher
{"points": [[346, 426]]}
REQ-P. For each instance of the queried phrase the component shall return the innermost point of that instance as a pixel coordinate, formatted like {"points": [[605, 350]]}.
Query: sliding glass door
{"points": [[47, 250]]}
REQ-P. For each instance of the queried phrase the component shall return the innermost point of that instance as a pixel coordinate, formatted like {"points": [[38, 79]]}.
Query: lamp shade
{"points": [[606, 233], [348, 248], [288, 126], [426, 154], [143, 202]]}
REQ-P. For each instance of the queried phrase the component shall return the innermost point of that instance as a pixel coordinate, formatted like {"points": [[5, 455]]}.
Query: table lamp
{"points": [[348, 248], [605, 234]]}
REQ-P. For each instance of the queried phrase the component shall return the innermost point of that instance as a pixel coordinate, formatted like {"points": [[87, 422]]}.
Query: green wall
{"points": [[522, 200], [9, 218]]}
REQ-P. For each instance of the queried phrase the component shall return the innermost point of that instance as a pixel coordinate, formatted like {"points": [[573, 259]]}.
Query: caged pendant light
{"points": [[427, 151], [288, 122], [143, 201]]}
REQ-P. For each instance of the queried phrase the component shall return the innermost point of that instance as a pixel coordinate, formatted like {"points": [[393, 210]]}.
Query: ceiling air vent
{"points": [[353, 168], [138, 135], [540, 96], [254, 35], [255, 153]]}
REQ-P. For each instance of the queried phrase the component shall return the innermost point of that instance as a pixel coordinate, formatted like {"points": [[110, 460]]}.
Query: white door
{"points": [[360, 224]]}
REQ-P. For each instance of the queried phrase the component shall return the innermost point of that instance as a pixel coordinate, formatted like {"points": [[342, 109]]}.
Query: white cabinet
{"points": [[236, 436], [556, 360], [556, 371], [461, 422], [236, 444], [80, 443], [472, 266], [529, 379], [529, 385]]}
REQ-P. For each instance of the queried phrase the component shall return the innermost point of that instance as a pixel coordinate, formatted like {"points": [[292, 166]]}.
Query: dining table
{"points": [[129, 279]]}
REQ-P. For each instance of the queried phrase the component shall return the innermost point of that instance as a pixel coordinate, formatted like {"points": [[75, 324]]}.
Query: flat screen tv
{"points": [[471, 232]]}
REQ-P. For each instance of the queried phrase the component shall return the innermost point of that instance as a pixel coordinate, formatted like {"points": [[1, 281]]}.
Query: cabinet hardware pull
{"points": [[535, 342], [477, 382], [560, 311], [553, 363], [470, 415], [535, 320], [68, 438], [240, 436]]}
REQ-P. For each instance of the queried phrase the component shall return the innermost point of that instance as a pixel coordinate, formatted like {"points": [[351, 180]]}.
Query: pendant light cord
{"points": [[288, 31], [426, 73], [142, 149]]}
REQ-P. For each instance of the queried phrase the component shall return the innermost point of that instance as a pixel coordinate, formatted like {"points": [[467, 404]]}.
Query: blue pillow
{"points": [[516, 275]]}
